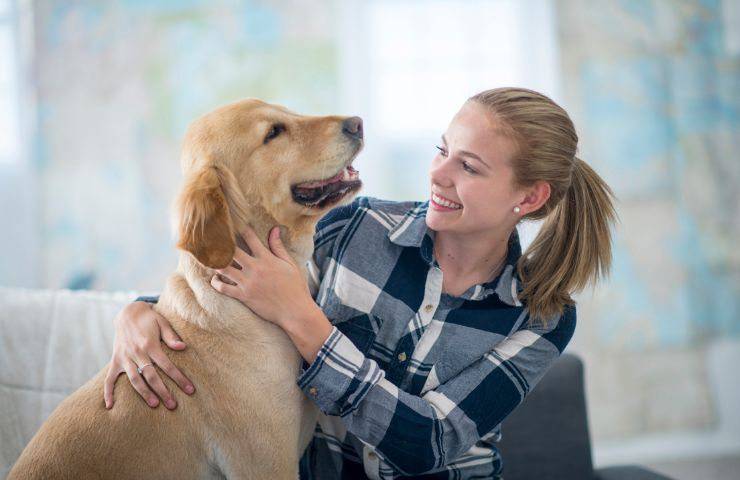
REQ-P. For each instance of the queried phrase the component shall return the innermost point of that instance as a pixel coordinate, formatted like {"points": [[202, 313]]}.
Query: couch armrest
{"points": [[51, 342], [627, 472]]}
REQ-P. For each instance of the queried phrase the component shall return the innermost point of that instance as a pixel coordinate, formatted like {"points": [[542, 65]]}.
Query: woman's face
{"points": [[481, 187]]}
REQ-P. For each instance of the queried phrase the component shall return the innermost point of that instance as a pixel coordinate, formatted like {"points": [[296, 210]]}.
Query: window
{"points": [[407, 66], [18, 196], [9, 124]]}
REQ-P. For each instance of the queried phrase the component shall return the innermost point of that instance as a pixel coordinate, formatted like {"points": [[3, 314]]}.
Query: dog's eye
{"points": [[274, 131]]}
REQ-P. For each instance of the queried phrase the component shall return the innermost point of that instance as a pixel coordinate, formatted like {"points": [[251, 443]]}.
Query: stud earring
{"points": [[516, 209]]}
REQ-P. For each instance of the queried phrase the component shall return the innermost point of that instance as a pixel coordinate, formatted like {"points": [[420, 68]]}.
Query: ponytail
{"points": [[572, 248]]}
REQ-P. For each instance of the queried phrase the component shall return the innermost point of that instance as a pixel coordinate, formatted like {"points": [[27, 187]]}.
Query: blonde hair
{"points": [[574, 245]]}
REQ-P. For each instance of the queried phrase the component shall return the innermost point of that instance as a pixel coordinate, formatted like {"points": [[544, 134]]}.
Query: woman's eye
{"points": [[274, 131], [466, 166]]}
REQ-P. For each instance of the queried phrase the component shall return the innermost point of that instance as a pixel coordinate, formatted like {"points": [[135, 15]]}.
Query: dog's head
{"points": [[253, 160]]}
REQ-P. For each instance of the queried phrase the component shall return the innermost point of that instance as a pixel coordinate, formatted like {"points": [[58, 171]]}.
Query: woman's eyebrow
{"points": [[465, 153]]}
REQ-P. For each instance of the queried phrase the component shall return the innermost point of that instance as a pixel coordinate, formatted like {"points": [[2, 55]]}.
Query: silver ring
{"points": [[138, 369]]}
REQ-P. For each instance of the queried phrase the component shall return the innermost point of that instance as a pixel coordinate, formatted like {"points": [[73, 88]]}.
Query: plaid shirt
{"points": [[413, 382]]}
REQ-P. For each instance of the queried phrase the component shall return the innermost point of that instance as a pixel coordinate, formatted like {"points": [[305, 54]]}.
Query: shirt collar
{"points": [[412, 231]]}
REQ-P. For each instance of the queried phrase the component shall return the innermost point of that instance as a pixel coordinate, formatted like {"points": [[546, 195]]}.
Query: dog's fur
{"points": [[248, 418]]}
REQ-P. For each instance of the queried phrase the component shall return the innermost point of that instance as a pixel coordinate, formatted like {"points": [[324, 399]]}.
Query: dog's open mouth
{"points": [[321, 193]]}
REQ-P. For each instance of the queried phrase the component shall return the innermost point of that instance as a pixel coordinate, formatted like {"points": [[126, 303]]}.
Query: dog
{"points": [[245, 163]]}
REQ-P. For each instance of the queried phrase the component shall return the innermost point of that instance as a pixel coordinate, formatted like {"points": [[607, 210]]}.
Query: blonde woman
{"points": [[423, 325]]}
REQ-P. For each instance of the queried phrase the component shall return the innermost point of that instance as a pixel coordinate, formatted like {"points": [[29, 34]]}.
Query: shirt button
{"points": [[313, 391], [402, 356], [429, 307], [372, 456]]}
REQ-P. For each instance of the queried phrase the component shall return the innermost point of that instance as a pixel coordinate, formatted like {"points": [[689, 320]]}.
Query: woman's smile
{"points": [[443, 205]]}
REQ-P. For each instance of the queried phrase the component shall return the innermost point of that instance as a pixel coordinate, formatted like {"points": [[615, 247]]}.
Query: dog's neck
{"points": [[191, 296]]}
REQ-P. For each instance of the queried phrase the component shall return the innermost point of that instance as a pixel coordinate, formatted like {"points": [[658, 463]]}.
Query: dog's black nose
{"points": [[353, 127]]}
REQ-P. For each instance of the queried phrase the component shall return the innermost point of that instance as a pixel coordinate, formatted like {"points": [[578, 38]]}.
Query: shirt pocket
{"points": [[359, 330], [360, 327], [453, 364]]}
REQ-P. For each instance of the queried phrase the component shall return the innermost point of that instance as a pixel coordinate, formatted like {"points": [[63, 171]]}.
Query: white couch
{"points": [[51, 342]]}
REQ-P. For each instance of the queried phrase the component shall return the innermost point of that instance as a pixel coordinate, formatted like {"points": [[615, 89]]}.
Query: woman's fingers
{"points": [[254, 243], [241, 260], [170, 337], [139, 384], [224, 287], [155, 383], [110, 382], [173, 372], [230, 272]]}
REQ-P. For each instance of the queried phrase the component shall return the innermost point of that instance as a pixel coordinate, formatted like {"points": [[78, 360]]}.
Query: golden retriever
{"points": [[248, 162]]}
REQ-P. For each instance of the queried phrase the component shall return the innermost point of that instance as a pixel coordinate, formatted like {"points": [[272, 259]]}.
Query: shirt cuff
{"points": [[340, 376], [148, 299]]}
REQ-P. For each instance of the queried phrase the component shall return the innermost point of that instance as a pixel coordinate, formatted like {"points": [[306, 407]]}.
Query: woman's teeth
{"points": [[445, 203]]}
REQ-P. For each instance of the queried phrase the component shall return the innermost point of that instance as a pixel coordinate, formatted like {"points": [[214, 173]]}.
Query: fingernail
{"points": [[189, 388], [170, 403], [152, 402]]}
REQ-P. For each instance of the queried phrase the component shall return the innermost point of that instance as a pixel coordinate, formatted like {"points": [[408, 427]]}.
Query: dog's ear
{"points": [[206, 228]]}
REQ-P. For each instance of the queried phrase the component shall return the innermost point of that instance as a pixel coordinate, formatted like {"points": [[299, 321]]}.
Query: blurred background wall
{"points": [[95, 97]]}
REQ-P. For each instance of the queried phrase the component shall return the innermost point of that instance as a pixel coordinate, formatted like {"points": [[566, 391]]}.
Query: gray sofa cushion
{"points": [[546, 437], [628, 472]]}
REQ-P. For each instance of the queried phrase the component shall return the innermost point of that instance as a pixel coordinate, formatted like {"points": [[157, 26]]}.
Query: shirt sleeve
{"points": [[148, 299], [418, 434], [327, 230]]}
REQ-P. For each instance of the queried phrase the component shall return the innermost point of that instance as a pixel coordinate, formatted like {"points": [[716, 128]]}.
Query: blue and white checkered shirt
{"points": [[413, 382]]}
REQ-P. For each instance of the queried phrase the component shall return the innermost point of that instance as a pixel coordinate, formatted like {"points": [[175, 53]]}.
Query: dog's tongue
{"points": [[321, 183]]}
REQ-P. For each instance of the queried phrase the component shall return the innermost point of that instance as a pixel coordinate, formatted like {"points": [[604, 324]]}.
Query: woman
{"points": [[424, 326]]}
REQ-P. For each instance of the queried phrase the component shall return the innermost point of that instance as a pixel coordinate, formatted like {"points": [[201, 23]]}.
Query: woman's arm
{"points": [[137, 342], [417, 434], [310, 332]]}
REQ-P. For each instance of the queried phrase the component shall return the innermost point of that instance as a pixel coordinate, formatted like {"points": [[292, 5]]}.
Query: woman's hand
{"points": [[138, 329], [268, 281]]}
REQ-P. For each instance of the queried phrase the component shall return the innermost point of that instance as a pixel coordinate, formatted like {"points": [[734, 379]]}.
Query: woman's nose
{"points": [[439, 173]]}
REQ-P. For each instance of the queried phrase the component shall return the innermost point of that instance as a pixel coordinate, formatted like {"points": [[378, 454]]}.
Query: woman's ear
{"points": [[205, 229]]}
